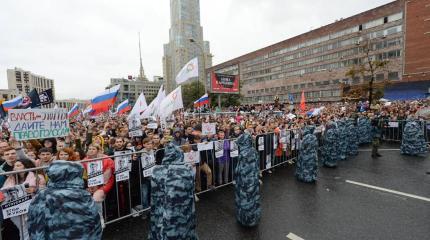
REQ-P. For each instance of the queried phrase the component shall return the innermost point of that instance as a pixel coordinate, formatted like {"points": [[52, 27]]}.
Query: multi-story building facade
{"points": [[132, 88], [24, 81], [317, 62], [69, 103], [8, 94], [185, 41]]}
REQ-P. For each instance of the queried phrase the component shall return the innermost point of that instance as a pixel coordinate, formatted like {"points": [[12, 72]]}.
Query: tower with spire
{"points": [[141, 76]]}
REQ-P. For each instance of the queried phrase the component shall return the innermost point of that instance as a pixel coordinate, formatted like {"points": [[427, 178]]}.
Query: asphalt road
{"points": [[330, 209]]}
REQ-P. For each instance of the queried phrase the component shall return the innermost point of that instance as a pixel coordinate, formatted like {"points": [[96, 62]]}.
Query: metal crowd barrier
{"points": [[392, 131], [211, 173]]}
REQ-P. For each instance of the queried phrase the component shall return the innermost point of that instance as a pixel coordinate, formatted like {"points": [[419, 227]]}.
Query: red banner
{"points": [[224, 83]]}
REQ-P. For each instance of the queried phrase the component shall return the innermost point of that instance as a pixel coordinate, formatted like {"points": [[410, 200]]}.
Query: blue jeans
{"points": [[145, 188]]}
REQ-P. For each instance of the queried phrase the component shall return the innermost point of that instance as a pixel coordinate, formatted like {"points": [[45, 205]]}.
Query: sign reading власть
{"points": [[28, 124]]}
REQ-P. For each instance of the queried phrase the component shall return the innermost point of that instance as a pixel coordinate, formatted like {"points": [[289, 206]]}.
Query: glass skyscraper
{"points": [[185, 41]]}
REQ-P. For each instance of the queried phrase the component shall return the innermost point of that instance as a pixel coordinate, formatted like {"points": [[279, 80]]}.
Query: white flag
{"points": [[190, 70], [172, 102], [139, 106], [153, 108]]}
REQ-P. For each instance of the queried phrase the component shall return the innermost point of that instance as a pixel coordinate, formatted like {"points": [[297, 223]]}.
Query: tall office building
{"points": [[185, 41]]}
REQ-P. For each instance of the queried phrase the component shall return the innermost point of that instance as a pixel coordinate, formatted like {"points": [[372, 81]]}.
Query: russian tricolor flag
{"points": [[105, 100], [74, 111], [11, 104], [123, 107], [204, 100]]}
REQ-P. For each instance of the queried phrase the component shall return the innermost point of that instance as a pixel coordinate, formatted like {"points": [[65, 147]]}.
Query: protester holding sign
{"points": [[16, 205], [101, 189], [148, 164]]}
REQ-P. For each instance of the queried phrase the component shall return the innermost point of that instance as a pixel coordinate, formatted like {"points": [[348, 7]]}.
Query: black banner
{"points": [[46, 97]]}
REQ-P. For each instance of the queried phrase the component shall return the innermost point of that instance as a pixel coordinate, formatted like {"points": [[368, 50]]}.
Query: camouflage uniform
{"points": [[172, 198], [307, 166], [329, 151], [343, 139], [247, 188], [352, 136], [413, 142], [365, 129], [64, 210]]}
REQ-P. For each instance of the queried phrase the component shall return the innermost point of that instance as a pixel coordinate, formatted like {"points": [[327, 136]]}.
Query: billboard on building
{"points": [[224, 83]]}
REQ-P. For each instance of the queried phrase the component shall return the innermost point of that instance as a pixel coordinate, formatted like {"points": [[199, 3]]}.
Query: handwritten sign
{"points": [[16, 201], [208, 128], [28, 124], [261, 144]]}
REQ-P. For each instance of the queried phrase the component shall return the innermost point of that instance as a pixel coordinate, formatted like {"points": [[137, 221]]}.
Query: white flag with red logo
{"points": [[172, 102], [139, 107], [190, 70]]}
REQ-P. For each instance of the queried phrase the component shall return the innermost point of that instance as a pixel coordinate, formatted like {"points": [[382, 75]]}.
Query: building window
{"points": [[380, 77], [393, 76]]}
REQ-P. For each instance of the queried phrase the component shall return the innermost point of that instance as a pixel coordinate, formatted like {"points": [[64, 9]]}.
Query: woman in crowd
{"points": [[32, 182], [99, 192]]}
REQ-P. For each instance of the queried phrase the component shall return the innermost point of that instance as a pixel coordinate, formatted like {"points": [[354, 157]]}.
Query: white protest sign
{"points": [[275, 141], [28, 124], [268, 161], [234, 149], [148, 164], [152, 126], [134, 126], [261, 143], [205, 146], [219, 149], [192, 157], [16, 201], [122, 165], [393, 124], [208, 128], [95, 173]]}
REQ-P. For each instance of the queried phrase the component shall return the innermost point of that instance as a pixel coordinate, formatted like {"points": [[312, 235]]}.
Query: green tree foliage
{"points": [[227, 100], [191, 92], [368, 66]]}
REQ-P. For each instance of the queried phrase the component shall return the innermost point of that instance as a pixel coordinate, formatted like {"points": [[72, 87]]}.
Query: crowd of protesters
{"points": [[105, 136]]}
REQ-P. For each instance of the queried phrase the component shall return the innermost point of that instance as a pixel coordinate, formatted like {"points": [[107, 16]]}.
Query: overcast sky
{"points": [[81, 44]]}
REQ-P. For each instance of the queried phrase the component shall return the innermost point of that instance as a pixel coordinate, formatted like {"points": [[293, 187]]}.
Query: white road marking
{"points": [[383, 149], [293, 236], [389, 190]]}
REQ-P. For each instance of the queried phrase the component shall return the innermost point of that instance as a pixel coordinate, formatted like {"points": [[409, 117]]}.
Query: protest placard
{"points": [[122, 165], [134, 126], [192, 157], [153, 125], [261, 143], [219, 149], [234, 149], [16, 202], [205, 146], [393, 124], [26, 124], [148, 164], [208, 128], [95, 173]]}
